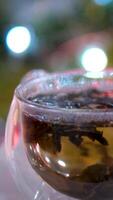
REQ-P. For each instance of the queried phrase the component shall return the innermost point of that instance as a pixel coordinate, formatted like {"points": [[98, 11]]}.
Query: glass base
{"points": [[8, 189], [31, 185]]}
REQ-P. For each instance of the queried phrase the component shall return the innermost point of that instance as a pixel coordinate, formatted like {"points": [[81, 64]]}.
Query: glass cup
{"points": [[59, 135]]}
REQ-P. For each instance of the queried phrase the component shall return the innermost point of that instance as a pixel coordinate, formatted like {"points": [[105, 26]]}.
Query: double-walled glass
{"points": [[59, 136]]}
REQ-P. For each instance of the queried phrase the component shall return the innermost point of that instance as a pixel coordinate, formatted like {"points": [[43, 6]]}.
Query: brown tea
{"points": [[75, 159]]}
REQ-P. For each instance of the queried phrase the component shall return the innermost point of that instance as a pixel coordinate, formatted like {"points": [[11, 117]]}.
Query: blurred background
{"points": [[52, 35]]}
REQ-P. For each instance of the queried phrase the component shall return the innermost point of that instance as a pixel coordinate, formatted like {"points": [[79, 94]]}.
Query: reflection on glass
{"points": [[47, 159], [62, 163]]}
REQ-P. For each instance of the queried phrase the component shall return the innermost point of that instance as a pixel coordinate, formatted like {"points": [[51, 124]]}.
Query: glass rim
{"points": [[82, 73]]}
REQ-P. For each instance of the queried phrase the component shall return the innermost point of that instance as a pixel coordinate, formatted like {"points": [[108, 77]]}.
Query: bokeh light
{"points": [[18, 39], [103, 2], [94, 59]]}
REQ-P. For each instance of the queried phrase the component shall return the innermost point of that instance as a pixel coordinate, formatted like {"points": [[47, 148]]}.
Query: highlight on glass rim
{"points": [[56, 108]]}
